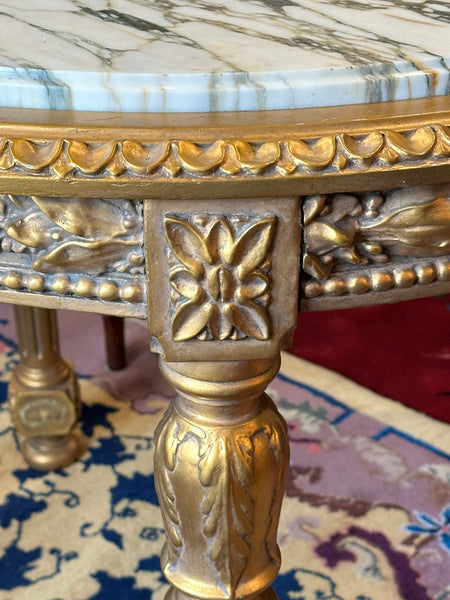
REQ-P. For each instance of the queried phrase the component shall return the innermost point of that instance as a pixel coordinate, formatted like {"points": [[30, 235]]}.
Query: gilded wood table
{"points": [[214, 167]]}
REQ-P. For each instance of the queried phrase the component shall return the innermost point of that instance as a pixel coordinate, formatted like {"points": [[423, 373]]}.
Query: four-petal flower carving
{"points": [[221, 278]]}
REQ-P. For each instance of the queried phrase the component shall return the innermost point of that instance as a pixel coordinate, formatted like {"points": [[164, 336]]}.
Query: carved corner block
{"points": [[222, 277]]}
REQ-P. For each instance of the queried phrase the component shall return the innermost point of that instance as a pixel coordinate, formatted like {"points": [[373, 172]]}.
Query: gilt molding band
{"points": [[73, 286], [177, 159], [378, 280]]}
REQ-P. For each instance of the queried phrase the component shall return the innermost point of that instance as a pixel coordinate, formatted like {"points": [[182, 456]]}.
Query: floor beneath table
{"points": [[401, 350]]}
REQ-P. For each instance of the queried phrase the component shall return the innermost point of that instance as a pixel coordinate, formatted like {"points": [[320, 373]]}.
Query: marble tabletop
{"points": [[217, 55]]}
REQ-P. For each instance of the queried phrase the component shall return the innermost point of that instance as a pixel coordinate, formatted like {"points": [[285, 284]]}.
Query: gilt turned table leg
{"points": [[43, 392], [222, 301], [220, 462]]}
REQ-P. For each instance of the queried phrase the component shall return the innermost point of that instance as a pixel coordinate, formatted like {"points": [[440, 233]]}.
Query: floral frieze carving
{"points": [[374, 234], [220, 277], [81, 248], [88, 235]]}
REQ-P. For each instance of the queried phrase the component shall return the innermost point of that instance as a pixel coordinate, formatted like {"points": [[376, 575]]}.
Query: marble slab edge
{"points": [[223, 91]]}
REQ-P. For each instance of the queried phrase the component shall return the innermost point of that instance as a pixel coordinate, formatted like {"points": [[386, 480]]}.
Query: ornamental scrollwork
{"points": [[220, 277], [169, 158], [87, 235]]}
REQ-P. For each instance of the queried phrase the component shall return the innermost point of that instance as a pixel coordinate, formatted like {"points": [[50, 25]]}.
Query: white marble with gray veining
{"points": [[212, 55]]}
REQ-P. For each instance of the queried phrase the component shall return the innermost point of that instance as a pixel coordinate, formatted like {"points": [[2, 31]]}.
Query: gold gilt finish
{"points": [[69, 235], [83, 247], [43, 393], [231, 204], [220, 465], [222, 275], [232, 157], [360, 244], [221, 280], [233, 154], [222, 301]]}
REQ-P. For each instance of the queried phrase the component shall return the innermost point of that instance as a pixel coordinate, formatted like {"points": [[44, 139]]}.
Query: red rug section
{"points": [[401, 351]]}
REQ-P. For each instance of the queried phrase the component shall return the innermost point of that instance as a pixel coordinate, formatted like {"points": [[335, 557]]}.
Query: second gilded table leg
{"points": [[43, 392]]}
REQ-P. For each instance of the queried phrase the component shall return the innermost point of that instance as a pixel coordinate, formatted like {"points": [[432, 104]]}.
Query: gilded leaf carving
{"points": [[364, 148], [33, 230], [144, 158], [90, 235], [422, 229], [190, 319], [253, 246], [90, 158], [345, 231], [418, 144], [316, 156], [226, 524], [251, 320], [77, 255], [187, 244], [221, 276], [87, 219], [35, 156], [227, 474], [201, 159], [164, 486], [258, 159]]}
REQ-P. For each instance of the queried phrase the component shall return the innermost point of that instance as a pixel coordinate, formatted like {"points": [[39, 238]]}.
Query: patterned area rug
{"points": [[366, 514]]}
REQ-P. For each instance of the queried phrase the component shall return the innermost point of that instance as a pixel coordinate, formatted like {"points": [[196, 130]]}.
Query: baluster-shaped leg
{"points": [[222, 290], [220, 463], [43, 392]]}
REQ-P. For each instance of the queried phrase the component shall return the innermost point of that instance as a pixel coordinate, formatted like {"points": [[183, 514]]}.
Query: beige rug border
{"points": [[363, 400]]}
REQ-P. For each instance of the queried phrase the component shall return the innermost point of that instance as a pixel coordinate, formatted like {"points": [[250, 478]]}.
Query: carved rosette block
{"points": [[222, 299], [222, 277], [220, 469]]}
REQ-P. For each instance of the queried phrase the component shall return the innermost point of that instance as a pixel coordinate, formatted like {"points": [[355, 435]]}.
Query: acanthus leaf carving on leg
{"points": [[226, 473], [164, 485], [225, 528]]}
